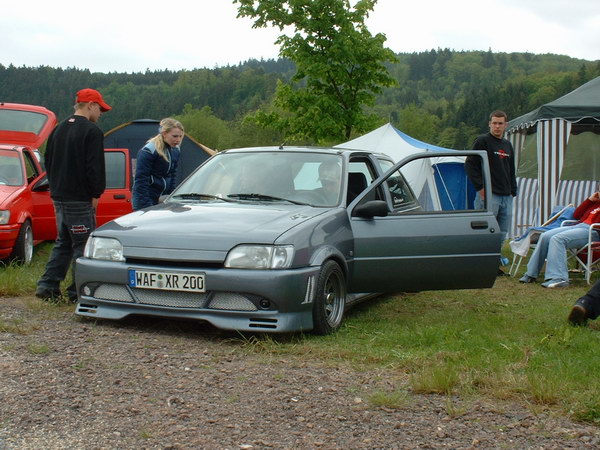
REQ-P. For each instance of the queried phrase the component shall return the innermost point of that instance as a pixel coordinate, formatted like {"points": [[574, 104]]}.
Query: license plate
{"points": [[168, 281]]}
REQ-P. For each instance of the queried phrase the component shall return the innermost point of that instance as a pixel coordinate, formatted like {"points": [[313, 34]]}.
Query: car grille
{"points": [[225, 301], [174, 263], [116, 292], [231, 301], [174, 299]]}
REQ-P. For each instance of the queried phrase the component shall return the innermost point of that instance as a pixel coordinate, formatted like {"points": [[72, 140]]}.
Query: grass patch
{"points": [[393, 400], [38, 349], [17, 280], [17, 326], [510, 342]]}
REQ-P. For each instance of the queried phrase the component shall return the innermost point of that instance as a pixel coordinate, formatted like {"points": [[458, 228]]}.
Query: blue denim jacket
{"points": [[154, 176]]}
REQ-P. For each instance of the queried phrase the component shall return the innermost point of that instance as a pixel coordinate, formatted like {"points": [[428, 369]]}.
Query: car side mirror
{"points": [[42, 185], [371, 209]]}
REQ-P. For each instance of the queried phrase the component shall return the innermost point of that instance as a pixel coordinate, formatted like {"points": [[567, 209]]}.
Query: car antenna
{"points": [[281, 146]]}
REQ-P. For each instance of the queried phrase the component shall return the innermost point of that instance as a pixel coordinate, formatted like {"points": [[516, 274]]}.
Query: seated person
{"points": [[330, 176], [553, 244]]}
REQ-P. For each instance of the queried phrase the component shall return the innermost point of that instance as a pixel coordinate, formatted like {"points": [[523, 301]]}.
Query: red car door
{"points": [[116, 200]]}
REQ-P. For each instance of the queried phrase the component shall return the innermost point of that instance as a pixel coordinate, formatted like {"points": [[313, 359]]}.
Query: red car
{"points": [[26, 211]]}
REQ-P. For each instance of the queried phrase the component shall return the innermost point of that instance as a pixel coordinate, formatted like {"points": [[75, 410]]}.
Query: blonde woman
{"points": [[157, 164]]}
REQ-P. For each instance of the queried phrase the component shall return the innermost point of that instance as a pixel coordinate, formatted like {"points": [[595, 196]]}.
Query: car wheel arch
{"points": [[330, 253]]}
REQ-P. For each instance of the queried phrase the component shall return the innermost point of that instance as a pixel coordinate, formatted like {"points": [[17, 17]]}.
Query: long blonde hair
{"points": [[166, 125]]}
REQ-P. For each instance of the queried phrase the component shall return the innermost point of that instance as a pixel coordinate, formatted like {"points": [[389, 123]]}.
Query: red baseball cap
{"points": [[92, 95]]}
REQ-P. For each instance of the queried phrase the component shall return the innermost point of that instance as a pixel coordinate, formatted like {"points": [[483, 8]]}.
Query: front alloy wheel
{"points": [[23, 250], [330, 300]]}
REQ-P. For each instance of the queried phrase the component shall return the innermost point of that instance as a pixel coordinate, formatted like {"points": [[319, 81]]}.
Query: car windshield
{"points": [[267, 176], [11, 169]]}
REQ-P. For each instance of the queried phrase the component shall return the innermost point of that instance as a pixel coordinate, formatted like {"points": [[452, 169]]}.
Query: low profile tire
{"points": [[330, 300], [23, 250]]}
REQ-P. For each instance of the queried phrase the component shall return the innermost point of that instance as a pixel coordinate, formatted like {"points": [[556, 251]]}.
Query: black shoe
{"points": [[48, 295], [578, 314], [501, 273]]}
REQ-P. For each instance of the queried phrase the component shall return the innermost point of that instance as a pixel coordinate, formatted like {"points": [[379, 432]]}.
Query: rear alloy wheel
{"points": [[330, 300], [23, 249]]}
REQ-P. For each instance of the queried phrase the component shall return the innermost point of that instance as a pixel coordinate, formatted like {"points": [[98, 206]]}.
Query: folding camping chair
{"points": [[521, 245], [587, 257]]}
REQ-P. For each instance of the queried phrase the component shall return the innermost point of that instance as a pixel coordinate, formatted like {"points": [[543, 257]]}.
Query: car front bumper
{"points": [[8, 236], [247, 300]]}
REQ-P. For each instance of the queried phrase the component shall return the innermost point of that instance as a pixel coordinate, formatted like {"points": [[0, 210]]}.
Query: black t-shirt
{"points": [[502, 165]]}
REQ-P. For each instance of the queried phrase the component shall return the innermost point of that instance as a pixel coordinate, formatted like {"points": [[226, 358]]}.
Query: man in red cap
{"points": [[74, 160]]}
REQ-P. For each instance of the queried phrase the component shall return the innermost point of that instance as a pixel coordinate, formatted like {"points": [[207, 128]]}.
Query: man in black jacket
{"points": [[74, 161], [501, 159]]}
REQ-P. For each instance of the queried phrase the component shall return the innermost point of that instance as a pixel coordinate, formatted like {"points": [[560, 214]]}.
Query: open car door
{"points": [[412, 241], [116, 199]]}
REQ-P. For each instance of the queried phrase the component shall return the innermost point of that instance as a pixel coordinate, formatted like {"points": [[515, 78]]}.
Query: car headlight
{"points": [[4, 216], [104, 248], [260, 257]]}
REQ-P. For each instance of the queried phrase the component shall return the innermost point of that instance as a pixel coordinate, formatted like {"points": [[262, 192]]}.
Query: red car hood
{"points": [[7, 193]]}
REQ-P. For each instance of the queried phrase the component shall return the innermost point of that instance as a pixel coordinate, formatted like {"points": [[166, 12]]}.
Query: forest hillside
{"points": [[441, 96]]}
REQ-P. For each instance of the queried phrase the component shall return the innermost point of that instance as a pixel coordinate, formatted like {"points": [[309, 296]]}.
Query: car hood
{"points": [[7, 194], [212, 227]]}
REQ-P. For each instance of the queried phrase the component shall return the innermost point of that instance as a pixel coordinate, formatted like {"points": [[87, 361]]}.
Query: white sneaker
{"points": [[556, 284]]}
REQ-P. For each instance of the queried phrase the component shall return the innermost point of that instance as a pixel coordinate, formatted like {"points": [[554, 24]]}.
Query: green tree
{"points": [[205, 127], [418, 123], [339, 66]]}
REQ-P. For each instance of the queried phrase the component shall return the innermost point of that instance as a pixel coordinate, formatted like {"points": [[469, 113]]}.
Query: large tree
{"points": [[340, 66]]}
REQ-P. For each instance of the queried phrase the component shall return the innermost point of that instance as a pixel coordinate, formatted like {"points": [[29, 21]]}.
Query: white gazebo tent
{"points": [[557, 150]]}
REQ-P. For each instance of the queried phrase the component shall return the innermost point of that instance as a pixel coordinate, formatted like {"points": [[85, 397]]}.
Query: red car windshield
{"points": [[11, 168]]}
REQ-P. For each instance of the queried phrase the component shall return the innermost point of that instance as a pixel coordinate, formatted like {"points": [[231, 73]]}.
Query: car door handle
{"points": [[119, 196], [479, 225]]}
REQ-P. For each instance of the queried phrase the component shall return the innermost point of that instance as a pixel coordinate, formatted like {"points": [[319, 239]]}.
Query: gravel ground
{"points": [[150, 384]]}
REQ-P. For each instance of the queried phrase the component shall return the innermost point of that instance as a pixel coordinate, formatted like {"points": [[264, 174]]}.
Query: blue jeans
{"points": [[502, 206], [552, 248], [74, 223]]}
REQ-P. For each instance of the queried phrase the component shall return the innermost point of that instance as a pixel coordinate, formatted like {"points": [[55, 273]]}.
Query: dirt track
{"points": [[76, 384]]}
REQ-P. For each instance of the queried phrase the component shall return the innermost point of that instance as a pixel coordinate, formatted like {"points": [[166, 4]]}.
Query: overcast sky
{"points": [[133, 35]]}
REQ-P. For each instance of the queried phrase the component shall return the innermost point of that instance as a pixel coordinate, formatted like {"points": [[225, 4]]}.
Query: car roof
{"points": [[306, 149]]}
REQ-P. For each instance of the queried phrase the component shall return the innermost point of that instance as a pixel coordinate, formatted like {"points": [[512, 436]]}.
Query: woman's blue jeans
{"points": [[552, 248]]}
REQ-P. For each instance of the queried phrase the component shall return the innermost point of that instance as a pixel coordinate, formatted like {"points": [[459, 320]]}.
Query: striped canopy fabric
{"points": [[537, 197], [553, 124]]}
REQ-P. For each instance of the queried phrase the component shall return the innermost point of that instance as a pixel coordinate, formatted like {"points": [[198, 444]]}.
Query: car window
{"points": [[11, 170], [431, 184], [312, 178], [385, 164], [31, 169], [115, 169], [361, 174], [307, 176]]}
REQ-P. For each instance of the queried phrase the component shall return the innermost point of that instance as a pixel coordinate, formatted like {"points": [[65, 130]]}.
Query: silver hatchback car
{"points": [[286, 239]]}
